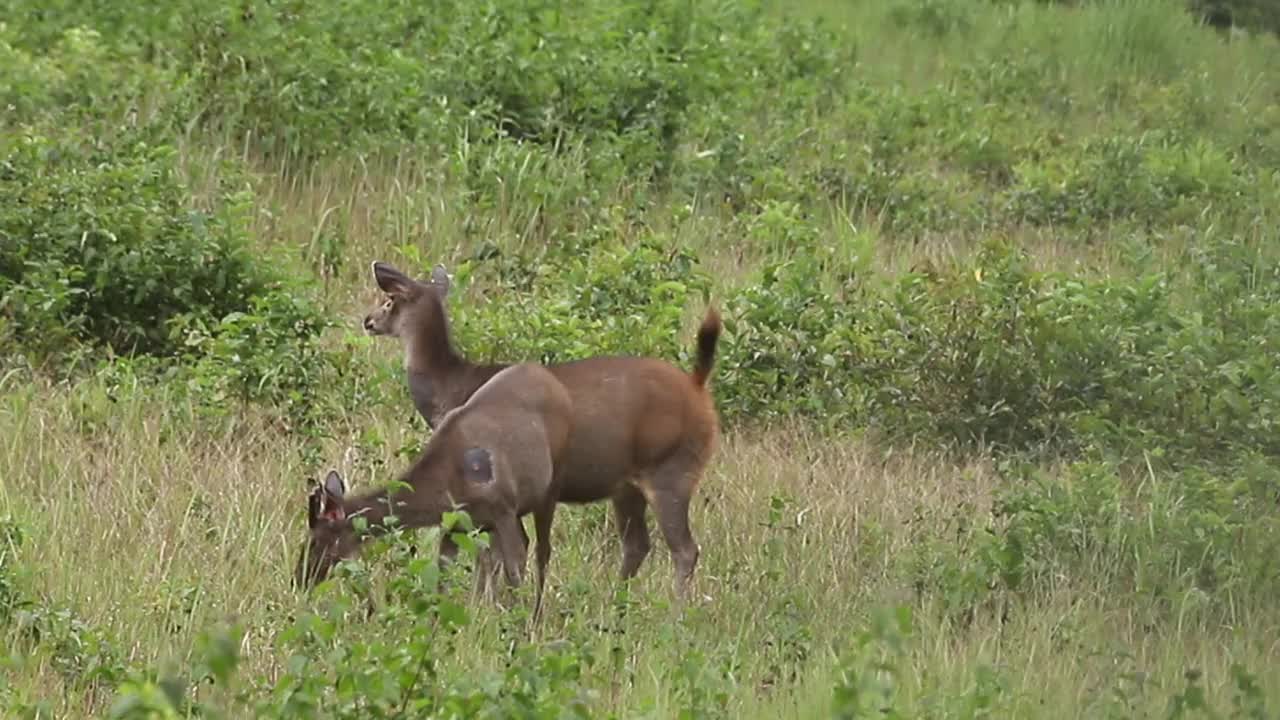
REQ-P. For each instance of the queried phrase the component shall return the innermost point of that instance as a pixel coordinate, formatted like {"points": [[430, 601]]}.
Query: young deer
{"points": [[498, 456], [643, 429]]}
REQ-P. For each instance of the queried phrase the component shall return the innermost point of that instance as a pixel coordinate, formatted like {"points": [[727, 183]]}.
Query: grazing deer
{"points": [[643, 429], [498, 457]]}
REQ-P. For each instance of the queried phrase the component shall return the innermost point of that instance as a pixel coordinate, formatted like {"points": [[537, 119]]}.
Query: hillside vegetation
{"points": [[998, 381]]}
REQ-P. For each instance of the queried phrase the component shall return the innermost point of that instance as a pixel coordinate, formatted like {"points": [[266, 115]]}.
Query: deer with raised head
{"points": [[643, 429], [498, 456]]}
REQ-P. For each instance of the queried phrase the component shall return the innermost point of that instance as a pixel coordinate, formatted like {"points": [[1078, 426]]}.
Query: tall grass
{"points": [[1114, 142], [151, 532]]}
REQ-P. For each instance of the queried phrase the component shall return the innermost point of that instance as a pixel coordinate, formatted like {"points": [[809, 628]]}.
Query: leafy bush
{"points": [[1166, 542], [995, 353], [86, 658], [990, 353], [790, 348], [869, 673], [266, 353], [610, 300], [100, 244], [79, 74], [12, 536], [1188, 530], [308, 81], [103, 250], [1107, 178]]}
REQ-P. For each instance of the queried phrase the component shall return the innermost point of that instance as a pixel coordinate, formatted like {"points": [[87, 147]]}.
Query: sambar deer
{"points": [[643, 429], [498, 456]]}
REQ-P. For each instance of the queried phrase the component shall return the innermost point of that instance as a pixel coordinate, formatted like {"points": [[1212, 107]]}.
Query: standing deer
{"points": [[498, 456], [643, 429]]}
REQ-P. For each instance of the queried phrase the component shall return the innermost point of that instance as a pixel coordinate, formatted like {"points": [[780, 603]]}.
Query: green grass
{"points": [[1116, 143]]}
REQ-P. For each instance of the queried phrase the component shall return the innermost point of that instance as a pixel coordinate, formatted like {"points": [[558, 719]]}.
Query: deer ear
{"points": [[334, 486], [327, 499], [477, 466], [440, 278], [390, 280]]}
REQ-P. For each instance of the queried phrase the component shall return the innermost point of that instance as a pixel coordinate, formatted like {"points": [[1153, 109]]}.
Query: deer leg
{"points": [[511, 543], [448, 551], [449, 555], [489, 561], [672, 509], [542, 529], [628, 511], [485, 570]]}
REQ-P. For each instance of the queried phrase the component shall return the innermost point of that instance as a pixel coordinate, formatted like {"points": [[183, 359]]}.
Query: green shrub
{"points": [[100, 244], [305, 80], [1109, 178], [790, 348], [79, 74], [12, 536], [267, 353], [1165, 542], [627, 87], [610, 300], [1184, 532], [103, 250], [994, 353], [988, 353]]}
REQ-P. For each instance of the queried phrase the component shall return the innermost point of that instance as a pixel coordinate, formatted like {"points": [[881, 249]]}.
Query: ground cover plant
{"points": [[997, 377]]}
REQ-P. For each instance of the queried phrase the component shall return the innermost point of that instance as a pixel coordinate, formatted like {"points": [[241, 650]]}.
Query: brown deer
{"points": [[498, 457], [643, 429]]}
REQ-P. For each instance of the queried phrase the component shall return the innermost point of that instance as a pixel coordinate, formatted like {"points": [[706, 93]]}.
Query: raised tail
{"points": [[708, 336]]}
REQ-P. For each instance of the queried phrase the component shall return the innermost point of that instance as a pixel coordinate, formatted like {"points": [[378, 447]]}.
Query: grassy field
{"points": [[998, 381]]}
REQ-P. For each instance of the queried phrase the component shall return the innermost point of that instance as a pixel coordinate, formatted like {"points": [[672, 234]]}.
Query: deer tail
{"points": [[708, 336]]}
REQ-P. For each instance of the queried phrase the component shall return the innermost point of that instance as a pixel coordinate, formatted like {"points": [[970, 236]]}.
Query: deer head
{"points": [[402, 307], [444, 477], [331, 538]]}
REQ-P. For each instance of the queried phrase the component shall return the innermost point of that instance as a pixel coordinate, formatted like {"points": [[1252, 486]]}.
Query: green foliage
{"points": [[788, 341], [346, 662], [99, 244], [992, 353], [268, 353], [869, 673], [1258, 15], [11, 538], [607, 300], [78, 74], [1154, 175], [1167, 541], [104, 250], [83, 655], [996, 353], [631, 76]]}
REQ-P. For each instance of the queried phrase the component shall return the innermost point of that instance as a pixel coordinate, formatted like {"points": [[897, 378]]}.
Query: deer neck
{"points": [[374, 508], [377, 506], [428, 350], [433, 365]]}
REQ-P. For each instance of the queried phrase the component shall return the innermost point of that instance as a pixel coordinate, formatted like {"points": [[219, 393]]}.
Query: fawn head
{"points": [[400, 307], [330, 538]]}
